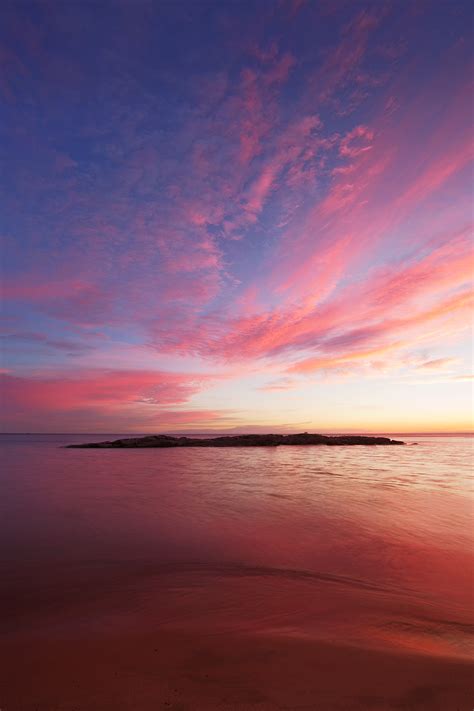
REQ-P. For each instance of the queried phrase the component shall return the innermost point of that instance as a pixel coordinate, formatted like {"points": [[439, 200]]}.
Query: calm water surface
{"points": [[369, 546]]}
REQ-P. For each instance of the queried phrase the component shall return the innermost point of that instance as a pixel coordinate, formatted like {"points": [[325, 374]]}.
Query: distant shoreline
{"points": [[220, 434]]}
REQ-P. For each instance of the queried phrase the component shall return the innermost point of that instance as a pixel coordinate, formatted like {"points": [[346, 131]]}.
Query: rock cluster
{"points": [[246, 440]]}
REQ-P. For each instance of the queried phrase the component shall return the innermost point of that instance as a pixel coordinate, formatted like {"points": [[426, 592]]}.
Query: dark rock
{"points": [[248, 440]]}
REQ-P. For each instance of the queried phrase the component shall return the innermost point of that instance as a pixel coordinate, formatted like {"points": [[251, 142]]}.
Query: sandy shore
{"points": [[145, 672], [262, 581], [194, 644]]}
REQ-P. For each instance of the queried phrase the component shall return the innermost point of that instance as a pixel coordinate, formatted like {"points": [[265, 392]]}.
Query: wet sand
{"points": [[141, 643], [144, 672]]}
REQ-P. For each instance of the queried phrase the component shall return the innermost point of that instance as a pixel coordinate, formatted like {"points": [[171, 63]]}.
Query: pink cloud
{"points": [[107, 388], [437, 364], [389, 332], [343, 59], [31, 288], [279, 384], [280, 69], [260, 188], [367, 318], [357, 141], [98, 399]]}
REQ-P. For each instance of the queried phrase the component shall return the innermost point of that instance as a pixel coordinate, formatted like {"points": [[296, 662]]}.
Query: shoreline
{"points": [[125, 641], [194, 672]]}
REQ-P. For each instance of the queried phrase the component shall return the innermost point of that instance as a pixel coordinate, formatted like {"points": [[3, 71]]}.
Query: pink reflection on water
{"points": [[363, 546]]}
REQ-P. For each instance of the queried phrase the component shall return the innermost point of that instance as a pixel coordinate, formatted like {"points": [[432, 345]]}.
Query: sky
{"points": [[242, 216]]}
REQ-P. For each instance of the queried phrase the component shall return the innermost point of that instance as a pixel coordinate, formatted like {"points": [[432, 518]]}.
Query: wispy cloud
{"points": [[437, 364], [250, 201]]}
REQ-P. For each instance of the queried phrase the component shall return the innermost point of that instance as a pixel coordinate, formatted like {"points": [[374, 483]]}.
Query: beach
{"points": [[296, 578], [149, 671]]}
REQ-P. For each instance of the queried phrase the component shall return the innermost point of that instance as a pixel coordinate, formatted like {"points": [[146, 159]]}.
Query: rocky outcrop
{"points": [[246, 440]]}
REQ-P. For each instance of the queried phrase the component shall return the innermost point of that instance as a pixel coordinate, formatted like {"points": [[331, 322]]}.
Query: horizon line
{"points": [[230, 433]]}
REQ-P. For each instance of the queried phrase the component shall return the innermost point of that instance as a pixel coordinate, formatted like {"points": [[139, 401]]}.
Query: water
{"points": [[365, 546]]}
